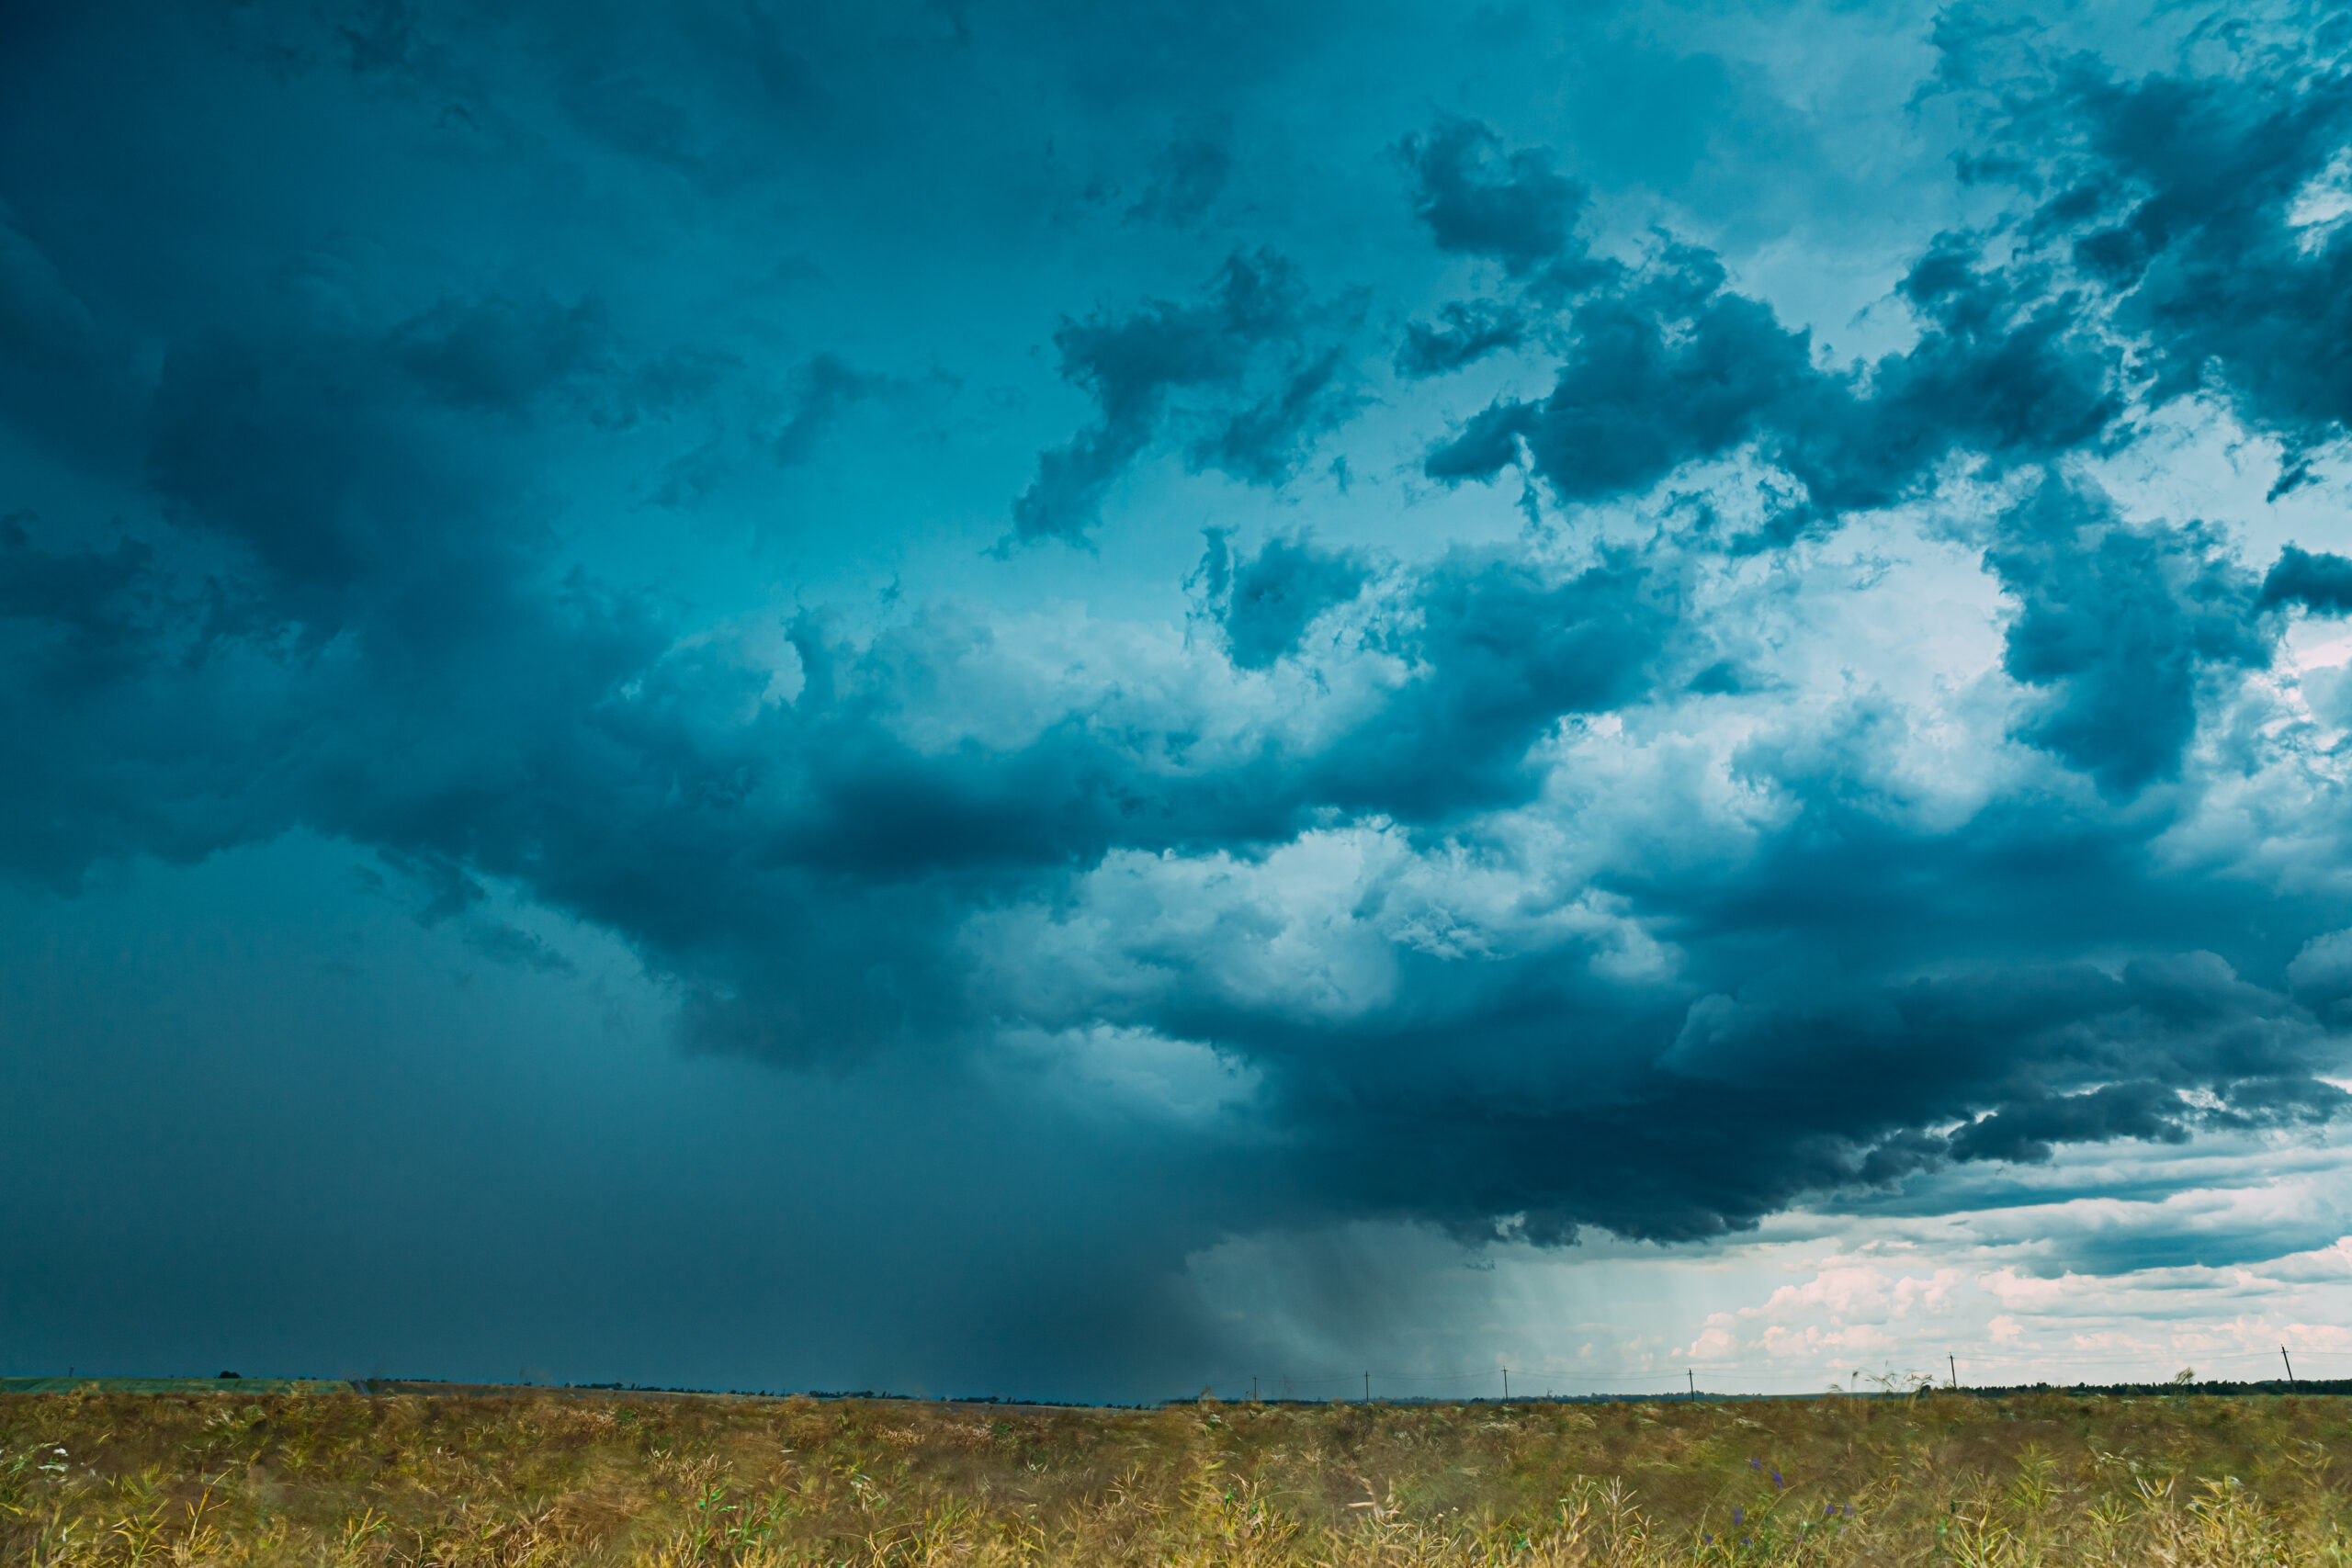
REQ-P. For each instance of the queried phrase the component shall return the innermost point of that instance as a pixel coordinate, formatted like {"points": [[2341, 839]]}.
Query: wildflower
{"points": [[1777, 1482], [1739, 1516], [1754, 1464]]}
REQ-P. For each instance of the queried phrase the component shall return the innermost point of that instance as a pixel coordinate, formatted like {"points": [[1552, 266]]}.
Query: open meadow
{"points": [[534, 1477]]}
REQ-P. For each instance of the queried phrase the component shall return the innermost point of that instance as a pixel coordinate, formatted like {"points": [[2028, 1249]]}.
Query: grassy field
{"points": [[539, 1478]]}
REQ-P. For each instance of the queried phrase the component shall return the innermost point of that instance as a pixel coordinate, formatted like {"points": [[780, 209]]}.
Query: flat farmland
{"points": [[530, 1477]]}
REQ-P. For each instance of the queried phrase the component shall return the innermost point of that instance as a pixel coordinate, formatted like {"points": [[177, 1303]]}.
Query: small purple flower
{"points": [[1829, 1510], [1777, 1482], [1755, 1464], [1740, 1515]]}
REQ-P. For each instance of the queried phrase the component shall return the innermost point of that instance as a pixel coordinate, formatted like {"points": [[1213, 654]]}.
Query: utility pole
{"points": [[1955, 1371], [1692, 1377], [1367, 1388], [2291, 1365], [1254, 1388], [1506, 1386]]}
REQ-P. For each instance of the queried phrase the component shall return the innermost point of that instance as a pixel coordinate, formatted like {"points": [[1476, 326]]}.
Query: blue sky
{"points": [[1087, 699]]}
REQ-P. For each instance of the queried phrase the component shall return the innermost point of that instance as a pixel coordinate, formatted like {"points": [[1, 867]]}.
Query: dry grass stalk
{"points": [[132, 1481]]}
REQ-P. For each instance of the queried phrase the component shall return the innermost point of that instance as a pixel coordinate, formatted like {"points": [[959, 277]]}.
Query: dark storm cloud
{"points": [[85, 609], [1258, 327], [2322, 583], [1512, 208], [1498, 648], [823, 389], [1267, 601], [1662, 371], [64, 379], [1187, 177], [2118, 623], [495, 354], [1264, 443], [368, 585], [1666, 366], [1470, 330], [2204, 206], [1509, 650], [2321, 976], [1534, 1092]]}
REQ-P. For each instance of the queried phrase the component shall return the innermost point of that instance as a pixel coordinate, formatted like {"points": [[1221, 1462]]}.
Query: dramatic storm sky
{"points": [[1034, 697]]}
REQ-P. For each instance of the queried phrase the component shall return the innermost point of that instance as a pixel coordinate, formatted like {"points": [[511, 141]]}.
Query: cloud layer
{"points": [[1438, 658]]}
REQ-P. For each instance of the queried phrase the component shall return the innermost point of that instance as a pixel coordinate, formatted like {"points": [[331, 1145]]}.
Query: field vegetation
{"points": [[532, 1478]]}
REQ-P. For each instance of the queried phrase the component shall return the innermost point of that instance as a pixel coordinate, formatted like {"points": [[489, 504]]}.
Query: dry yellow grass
{"points": [[133, 1479]]}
